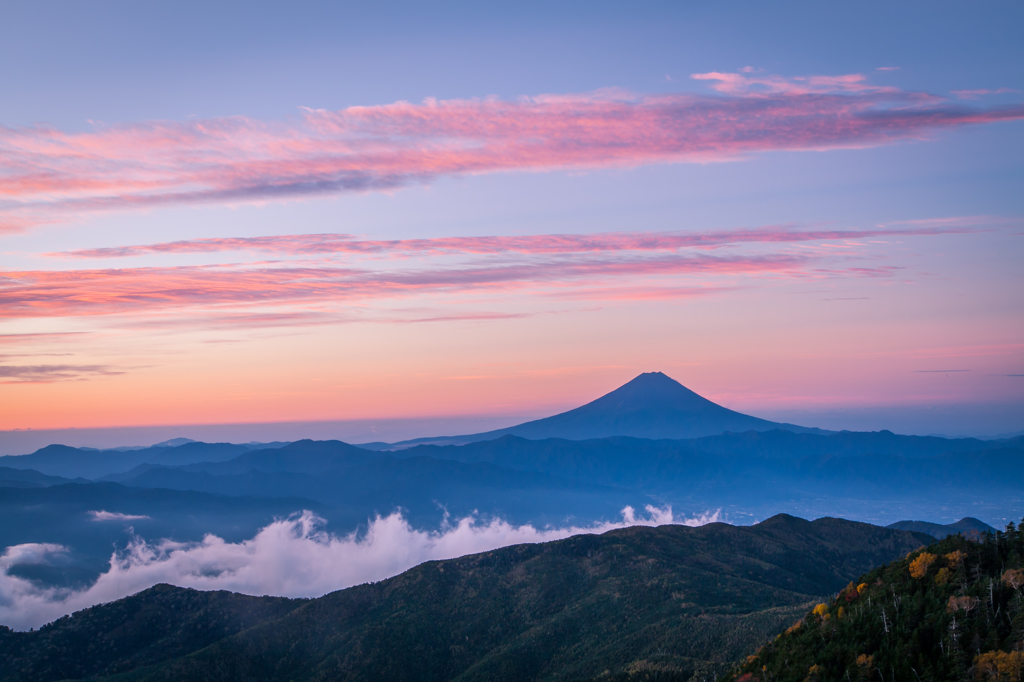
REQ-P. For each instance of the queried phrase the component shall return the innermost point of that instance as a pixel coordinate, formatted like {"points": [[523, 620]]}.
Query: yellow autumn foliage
{"points": [[820, 610], [999, 666], [865, 667], [814, 673], [919, 566], [955, 559]]}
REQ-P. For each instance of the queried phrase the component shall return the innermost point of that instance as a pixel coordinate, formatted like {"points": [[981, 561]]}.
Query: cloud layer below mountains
{"points": [[291, 557]]}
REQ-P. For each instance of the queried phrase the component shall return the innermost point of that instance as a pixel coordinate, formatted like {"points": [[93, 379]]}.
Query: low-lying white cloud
{"points": [[102, 515], [291, 557]]}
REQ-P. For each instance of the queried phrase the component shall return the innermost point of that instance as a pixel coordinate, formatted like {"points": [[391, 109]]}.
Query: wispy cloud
{"points": [[41, 374], [102, 515], [39, 337], [44, 293], [316, 273], [324, 244], [47, 174], [640, 293], [745, 84], [961, 221], [975, 94]]}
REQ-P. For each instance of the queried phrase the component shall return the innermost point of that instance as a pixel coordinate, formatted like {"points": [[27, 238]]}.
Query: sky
{"points": [[353, 213]]}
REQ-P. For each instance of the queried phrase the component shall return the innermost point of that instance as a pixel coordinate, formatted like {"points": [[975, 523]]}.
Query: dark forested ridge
{"points": [[630, 604], [156, 625], [951, 611]]}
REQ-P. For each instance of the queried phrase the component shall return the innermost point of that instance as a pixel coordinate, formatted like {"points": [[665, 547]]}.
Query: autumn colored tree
{"points": [[967, 604], [919, 566], [865, 666], [999, 666], [955, 559]]}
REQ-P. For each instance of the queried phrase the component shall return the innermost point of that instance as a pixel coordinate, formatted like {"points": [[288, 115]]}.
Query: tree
{"points": [[967, 604], [999, 665], [919, 566]]}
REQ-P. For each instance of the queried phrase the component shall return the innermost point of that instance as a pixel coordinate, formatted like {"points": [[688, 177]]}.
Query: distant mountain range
{"points": [[652, 405], [671, 600], [61, 460], [967, 526], [185, 489]]}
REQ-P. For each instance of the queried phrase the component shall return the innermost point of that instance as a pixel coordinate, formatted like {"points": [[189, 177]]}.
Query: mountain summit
{"points": [[653, 405]]}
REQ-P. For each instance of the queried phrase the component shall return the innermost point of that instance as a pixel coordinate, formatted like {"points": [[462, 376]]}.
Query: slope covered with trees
{"points": [[637, 603], [153, 626], [951, 611]]}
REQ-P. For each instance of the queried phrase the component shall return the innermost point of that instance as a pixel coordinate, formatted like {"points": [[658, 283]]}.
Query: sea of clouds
{"points": [[291, 557]]}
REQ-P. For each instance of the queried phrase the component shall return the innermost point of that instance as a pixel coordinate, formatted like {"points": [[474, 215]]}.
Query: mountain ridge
{"points": [[948, 612], [672, 598], [968, 526]]}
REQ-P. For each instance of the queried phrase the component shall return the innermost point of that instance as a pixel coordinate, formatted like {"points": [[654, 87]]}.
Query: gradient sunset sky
{"points": [[261, 212]]}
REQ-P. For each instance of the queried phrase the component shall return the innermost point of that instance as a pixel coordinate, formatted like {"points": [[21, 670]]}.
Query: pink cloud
{"points": [[465, 317], [597, 266], [956, 222], [740, 84], [305, 244], [46, 174], [37, 338], [236, 321], [149, 290], [641, 293], [975, 94]]}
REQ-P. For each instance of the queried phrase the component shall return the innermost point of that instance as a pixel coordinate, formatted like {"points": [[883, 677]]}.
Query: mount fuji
{"points": [[653, 405]]}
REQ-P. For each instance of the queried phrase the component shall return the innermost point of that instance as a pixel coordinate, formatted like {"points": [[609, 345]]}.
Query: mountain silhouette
{"points": [[653, 405], [967, 526]]}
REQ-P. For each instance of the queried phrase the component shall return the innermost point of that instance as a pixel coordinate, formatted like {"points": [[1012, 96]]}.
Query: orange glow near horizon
{"points": [[520, 365]]}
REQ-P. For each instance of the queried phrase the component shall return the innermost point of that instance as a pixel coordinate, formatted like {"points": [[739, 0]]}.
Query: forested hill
{"points": [[637, 604], [951, 611]]}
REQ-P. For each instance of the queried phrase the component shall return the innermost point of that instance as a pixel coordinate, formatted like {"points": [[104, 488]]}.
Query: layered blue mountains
{"points": [[649, 442]]}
